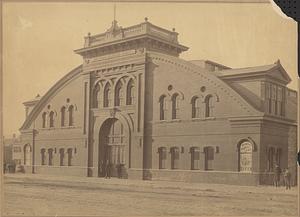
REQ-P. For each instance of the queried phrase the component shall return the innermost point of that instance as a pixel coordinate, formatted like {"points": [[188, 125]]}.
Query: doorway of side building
{"points": [[112, 149]]}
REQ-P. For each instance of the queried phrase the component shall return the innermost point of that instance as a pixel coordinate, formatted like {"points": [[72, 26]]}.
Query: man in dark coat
{"points": [[277, 173]]}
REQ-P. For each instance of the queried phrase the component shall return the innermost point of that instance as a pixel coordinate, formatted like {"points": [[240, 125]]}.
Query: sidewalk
{"points": [[96, 181]]}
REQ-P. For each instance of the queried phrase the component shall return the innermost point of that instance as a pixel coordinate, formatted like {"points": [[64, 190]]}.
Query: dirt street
{"points": [[32, 194]]}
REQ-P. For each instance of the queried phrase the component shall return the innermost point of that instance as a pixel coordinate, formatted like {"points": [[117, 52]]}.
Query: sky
{"points": [[39, 40]]}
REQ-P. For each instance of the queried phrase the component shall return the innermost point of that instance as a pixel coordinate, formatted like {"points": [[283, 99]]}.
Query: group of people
{"points": [[105, 169], [286, 177]]}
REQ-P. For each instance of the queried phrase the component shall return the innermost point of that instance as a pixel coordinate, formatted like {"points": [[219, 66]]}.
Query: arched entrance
{"points": [[112, 148]]}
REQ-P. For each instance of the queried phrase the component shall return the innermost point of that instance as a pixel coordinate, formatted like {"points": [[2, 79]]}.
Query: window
{"points": [[209, 106], [44, 117], [96, 96], [175, 106], [174, 158], [196, 107], [71, 115], [162, 151], [119, 94], [209, 157], [162, 107], [130, 92], [69, 151], [273, 99], [107, 102], [280, 101], [268, 98], [43, 156], [51, 118], [50, 156], [61, 156], [27, 155], [62, 116], [195, 158]]}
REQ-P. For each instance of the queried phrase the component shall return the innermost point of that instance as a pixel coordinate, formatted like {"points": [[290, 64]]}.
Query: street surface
{"points": [[33, 194]]}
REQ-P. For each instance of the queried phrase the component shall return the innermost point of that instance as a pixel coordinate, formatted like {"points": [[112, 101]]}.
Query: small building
{"points": [[135, 104]]}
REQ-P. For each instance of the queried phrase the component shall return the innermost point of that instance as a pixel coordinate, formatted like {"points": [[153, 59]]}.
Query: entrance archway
{"points": [[112, 148]]}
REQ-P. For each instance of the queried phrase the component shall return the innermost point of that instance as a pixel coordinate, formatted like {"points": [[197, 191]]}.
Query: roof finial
{"points": [[114, 11], [277, 62], [146, 19]]}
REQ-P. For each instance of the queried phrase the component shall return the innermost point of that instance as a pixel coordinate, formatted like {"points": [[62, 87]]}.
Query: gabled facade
{"points": [[134, 103]]}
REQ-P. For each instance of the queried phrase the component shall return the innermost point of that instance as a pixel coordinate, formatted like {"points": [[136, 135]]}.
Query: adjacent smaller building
{"points": [[12, 150]]}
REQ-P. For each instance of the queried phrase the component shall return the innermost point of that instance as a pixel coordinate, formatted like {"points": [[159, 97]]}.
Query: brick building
{"points": [[135, 103]]}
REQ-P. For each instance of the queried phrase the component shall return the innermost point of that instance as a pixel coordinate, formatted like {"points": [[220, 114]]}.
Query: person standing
{"points": [[287, 178], [107, 169], [277, 173]]}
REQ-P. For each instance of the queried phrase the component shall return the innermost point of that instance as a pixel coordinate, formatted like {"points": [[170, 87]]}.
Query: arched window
{"points": [[71, 115], [119, 94], [50, 157], [70, 156], [174, 158], [195, 107], [245, 157], [195, 158], [61, 156], [209, 157], [96, 96], [62, 116], [162, 151], [51, 119], [175, 106], [107, 102], [27, 155], [44, 119], [209, 106], [162, 107], [43, 156], [130, 92]]}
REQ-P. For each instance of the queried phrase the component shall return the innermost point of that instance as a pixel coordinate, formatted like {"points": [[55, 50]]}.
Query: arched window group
{"points": [[66, 117], [201, 107], [119, 95], [65, 156]]}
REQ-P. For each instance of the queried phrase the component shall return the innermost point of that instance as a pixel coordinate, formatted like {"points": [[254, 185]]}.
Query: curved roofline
{"points": [[32, 115], [198, 70]]}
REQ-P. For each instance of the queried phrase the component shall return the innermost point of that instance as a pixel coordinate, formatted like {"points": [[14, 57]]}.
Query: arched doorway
{"points": [[245, 157], [112, 148]]}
